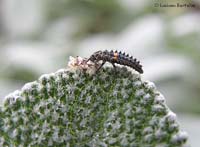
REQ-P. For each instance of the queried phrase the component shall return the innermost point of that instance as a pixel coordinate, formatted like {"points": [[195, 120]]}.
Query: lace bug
{"points": [[115, 57]]}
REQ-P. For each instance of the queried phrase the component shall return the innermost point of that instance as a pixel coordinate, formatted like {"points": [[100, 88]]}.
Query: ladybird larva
{"points": [[116, 57]]}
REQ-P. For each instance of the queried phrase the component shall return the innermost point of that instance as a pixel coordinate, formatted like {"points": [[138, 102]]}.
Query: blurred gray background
{"points": [[37, 37]]}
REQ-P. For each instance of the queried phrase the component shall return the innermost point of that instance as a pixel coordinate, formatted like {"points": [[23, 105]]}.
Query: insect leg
{"points": [[87, 59], [114, 66], [100, 66]]}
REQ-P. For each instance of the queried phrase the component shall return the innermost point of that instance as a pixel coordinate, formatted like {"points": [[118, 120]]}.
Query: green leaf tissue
{"points": [[78, 107]]}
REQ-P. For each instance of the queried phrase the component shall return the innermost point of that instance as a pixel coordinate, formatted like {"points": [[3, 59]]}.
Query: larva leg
{"points": [[100, 66], [114, 67]]}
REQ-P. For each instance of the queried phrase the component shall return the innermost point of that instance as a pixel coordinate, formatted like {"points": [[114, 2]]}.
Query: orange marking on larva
{"points": [[115, 56]]}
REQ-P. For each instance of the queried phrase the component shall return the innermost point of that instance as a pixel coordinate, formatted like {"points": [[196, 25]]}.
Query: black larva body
{"points": [[116, 57]]}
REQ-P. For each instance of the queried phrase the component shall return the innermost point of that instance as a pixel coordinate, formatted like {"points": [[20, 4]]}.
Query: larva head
{"points": [[96, 56]]}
